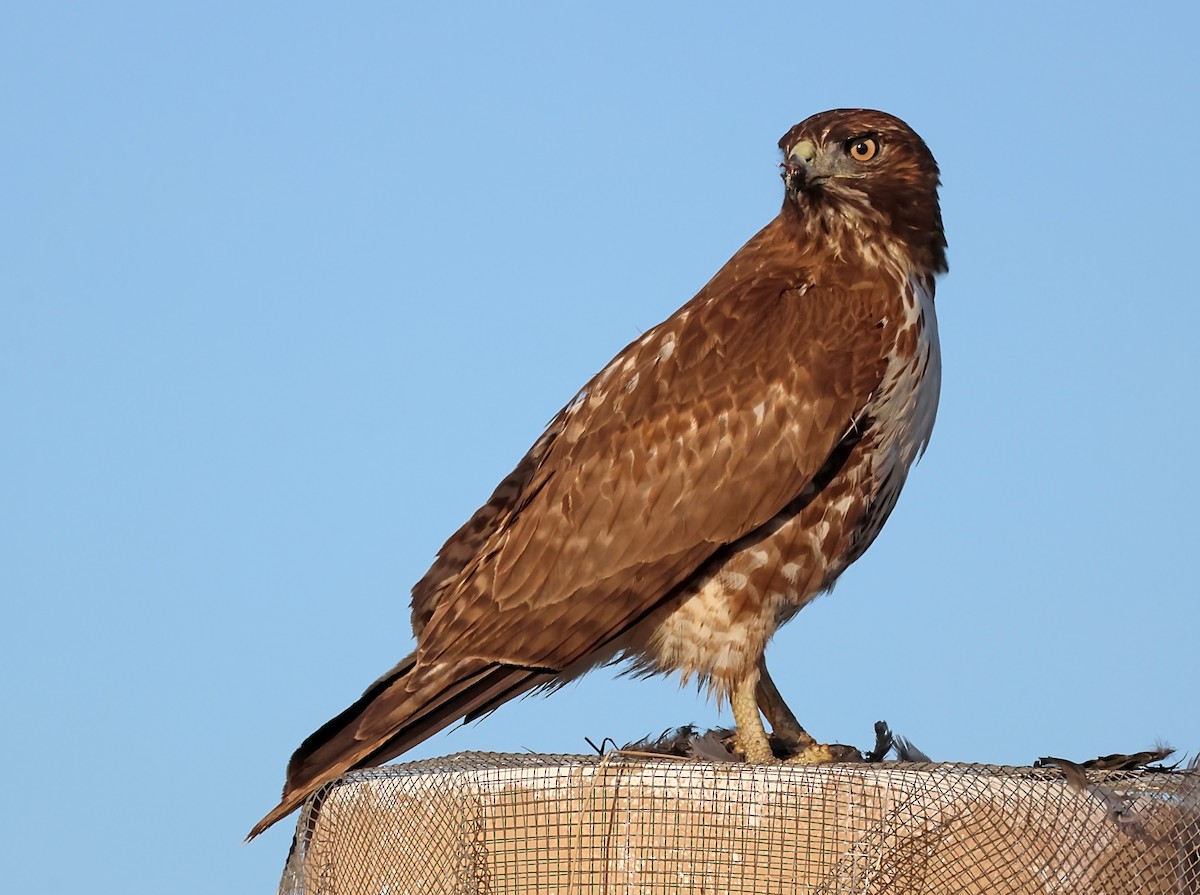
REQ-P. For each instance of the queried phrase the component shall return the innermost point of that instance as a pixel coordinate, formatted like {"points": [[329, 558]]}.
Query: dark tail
{"points": [[407, 705]]}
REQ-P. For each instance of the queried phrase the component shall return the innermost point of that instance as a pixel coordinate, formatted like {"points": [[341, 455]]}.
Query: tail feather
{"points": [[404, 707]]}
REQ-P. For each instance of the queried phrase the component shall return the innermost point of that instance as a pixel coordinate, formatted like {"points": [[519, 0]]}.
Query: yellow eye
{"points": [[862, 149]]}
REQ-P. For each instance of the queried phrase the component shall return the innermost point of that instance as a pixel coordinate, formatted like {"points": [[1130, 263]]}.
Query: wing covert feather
{"points": [[695, 434]]}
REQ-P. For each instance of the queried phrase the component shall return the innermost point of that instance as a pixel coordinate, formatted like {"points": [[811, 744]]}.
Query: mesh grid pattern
{"points": [[488, 824]]}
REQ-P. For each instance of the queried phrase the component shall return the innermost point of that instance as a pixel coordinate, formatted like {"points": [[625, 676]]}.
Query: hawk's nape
{"points": [[712, 480]]}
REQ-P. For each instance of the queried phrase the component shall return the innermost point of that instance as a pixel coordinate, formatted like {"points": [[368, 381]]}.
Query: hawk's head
{"points": [[867, 176]]}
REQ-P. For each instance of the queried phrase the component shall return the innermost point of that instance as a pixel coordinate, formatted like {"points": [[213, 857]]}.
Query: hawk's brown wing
{"points": [[694, 435]]}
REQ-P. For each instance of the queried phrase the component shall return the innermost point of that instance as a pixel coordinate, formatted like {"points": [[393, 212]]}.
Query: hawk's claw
{"points": [[825, 753]]}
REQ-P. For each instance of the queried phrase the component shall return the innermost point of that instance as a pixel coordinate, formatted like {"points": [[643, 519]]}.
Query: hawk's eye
{"points": [[862, 149]]}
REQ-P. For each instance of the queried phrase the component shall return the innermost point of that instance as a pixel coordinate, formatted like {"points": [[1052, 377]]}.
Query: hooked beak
{"points": [[800, 169]]}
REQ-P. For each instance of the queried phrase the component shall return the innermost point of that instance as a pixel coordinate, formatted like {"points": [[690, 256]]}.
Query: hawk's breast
{"points": [[907, 402], [904, 408]]}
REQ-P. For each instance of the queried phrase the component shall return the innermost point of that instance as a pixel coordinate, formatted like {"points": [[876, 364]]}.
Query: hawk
{"points": [[714, 478]]}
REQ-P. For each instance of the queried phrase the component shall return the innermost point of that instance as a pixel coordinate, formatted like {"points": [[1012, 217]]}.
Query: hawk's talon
{"points": [[825, 753], [813, 753]]}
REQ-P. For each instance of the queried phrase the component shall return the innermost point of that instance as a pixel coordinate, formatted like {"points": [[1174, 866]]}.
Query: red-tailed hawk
{"points": [[712, 480]]}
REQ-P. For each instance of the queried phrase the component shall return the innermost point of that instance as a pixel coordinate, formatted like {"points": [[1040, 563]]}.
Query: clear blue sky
{"points": [[285, 289]]}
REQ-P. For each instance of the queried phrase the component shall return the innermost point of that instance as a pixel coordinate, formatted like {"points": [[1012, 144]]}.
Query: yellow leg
{"points": [[783, 723], [751, 735]]}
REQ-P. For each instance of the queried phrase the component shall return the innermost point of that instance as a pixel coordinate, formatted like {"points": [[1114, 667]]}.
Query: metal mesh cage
{"points": [[524, 824]]}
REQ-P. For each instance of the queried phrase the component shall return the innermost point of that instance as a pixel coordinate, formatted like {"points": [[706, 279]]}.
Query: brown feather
{"points": [[563, 565], [403, 708], [715, 477]]}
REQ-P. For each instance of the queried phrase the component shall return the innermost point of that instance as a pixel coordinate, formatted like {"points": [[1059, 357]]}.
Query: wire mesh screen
{"points": [[565, 824]]}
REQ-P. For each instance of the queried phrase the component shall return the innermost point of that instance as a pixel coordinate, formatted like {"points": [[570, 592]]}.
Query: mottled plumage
{"points": [[714, 478]]}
